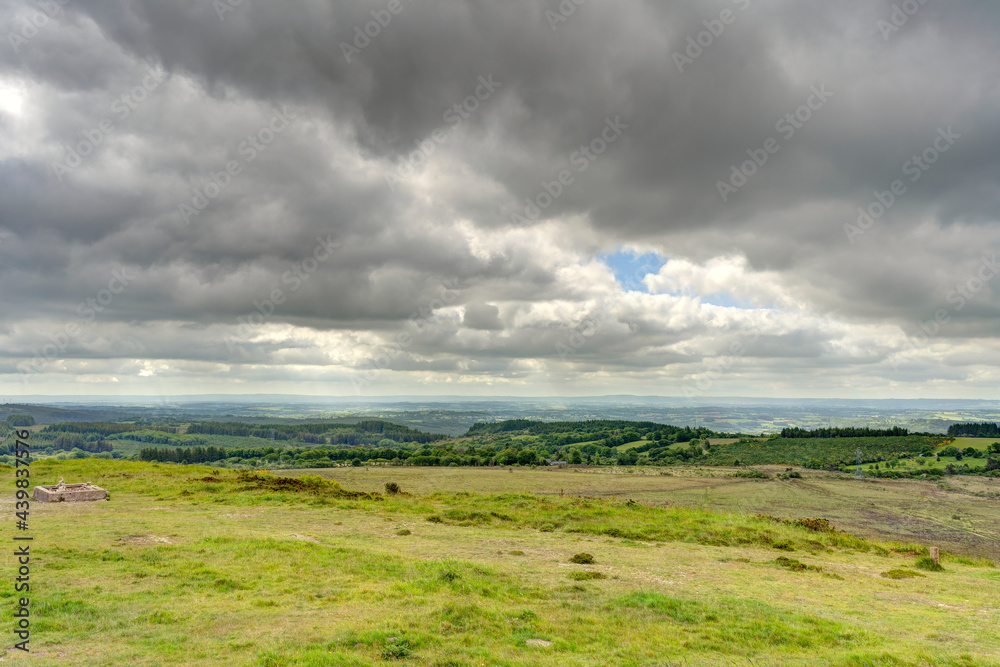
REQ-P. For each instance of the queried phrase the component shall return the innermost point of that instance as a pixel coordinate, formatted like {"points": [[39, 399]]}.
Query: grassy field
{"points": [[959, 513], [630, 445], [824, 451], [977, 443], [186, 565]]}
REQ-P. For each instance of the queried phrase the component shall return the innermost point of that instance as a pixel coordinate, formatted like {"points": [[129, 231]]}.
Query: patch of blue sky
{"points": [[630, 267]]}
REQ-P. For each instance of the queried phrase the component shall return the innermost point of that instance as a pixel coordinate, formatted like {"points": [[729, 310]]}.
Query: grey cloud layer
{"points": [[522, 289]]}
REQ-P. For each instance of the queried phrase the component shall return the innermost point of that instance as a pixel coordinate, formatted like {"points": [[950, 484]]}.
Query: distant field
{"points": [[978, 443], [712, 441], [631, 445], [130, 447], [824, 451]]}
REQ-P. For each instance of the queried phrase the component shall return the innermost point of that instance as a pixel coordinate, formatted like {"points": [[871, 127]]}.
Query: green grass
{"points": [[976, 443], [631, 445], [896, 510], [825, 451], [186, 565]]}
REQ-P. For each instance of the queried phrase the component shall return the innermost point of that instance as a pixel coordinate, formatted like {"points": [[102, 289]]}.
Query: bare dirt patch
{"points": [[538, 642]]}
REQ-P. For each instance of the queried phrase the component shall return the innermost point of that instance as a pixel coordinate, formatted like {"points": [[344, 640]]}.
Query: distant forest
{"points": [[973, 430], [364, 432]]}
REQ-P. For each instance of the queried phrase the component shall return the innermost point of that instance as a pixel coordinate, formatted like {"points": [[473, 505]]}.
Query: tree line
{"points": [[97, 428], [589, 426], [309, 458], [975, 430], [844, 432], [361, 433]]}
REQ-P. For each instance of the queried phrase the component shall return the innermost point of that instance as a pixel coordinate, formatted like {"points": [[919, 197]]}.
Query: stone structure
{"points": [[63, 492]]}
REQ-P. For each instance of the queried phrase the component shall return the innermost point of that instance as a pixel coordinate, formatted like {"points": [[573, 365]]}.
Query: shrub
{"points": [[582, 559], [901, 574], [794, 565], [584, 576], [20, 420], [396, 648], [391, 488], [816, 525], [752, 474], [927, 563], [403, 531]]}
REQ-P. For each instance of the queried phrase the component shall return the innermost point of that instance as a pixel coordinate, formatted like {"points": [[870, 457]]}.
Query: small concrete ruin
{"points": [[63, 492]]}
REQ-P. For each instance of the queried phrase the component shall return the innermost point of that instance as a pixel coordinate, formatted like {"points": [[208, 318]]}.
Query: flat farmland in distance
{"points": [[960, 514]]}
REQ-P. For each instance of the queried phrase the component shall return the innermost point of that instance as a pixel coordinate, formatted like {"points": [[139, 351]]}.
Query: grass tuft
{"points": [[796, 566], [901, 574], [927, 563]]}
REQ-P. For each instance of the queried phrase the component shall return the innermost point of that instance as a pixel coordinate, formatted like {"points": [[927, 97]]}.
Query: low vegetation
{"points": [[201, 565]]}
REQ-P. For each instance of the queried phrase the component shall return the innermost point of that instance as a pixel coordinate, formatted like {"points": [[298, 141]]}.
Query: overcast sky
{"points": [[517, 197]]}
